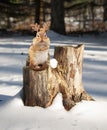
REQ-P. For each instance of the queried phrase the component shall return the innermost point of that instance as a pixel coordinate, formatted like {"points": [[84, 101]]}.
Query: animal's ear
{"points": [[46, 25], [35, 27]]}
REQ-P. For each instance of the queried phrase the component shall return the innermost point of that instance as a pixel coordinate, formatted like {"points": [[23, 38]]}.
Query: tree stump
{"points": [[41, 87]]}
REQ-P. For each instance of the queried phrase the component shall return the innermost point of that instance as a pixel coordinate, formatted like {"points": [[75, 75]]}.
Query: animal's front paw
{"points": [[45, 65], [34, 67], [37, 67]]}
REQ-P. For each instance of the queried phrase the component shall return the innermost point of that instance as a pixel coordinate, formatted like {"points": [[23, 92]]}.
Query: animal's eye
{"points": [[45, 35], [37, 35]]}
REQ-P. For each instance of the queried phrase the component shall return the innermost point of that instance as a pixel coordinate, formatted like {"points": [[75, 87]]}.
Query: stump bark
{"points": [[41, 87]]}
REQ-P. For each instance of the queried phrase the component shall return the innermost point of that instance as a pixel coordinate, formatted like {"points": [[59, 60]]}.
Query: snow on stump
{"points": [[41, 87]]}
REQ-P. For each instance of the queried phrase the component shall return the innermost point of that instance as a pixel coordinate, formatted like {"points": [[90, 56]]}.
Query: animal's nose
{"points": [[41, 40]]}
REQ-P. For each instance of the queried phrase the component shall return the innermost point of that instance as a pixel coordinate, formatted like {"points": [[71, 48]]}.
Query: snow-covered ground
{"points": [[86, 115]]}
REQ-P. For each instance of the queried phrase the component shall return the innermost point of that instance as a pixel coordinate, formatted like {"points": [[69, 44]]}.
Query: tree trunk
{"points": [[92, 15], [41, 11], [35, 87], [37, 11], [105, 11], [57, 16], [70, 61], [41, 87]]}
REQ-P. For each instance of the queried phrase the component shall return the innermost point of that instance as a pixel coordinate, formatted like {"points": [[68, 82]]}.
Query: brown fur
{"points": [[38, 51]]}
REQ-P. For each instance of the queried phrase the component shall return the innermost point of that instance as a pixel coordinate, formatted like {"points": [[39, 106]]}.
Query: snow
{"points": [[85, 115], [53, 63]]}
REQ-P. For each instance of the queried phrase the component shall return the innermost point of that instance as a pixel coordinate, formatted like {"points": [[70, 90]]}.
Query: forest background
{"points": [[74, 17]]}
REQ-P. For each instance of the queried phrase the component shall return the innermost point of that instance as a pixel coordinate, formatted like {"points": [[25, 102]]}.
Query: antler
{"points": [[46, 26], [35, 27]]}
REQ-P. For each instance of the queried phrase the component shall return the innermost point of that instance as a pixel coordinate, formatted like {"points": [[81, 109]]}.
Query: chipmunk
{"points": [[39, 49]]}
